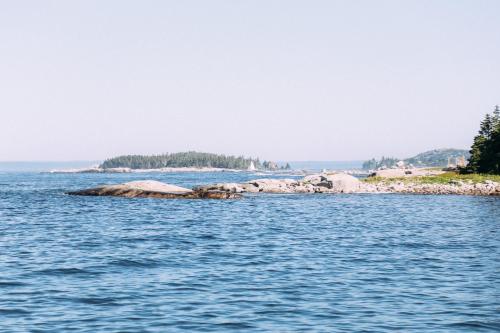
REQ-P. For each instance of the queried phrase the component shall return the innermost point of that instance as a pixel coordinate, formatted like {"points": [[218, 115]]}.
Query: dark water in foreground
{"points": [[270, 263]]}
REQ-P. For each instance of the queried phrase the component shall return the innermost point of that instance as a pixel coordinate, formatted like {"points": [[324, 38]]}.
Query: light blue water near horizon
{"points": [[265, 263]]}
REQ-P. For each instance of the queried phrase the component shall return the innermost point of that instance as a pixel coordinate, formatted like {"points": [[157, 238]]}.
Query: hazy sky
{"points": [[282, 80]]}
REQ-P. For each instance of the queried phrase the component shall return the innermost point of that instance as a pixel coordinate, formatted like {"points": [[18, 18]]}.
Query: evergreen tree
{"points": [[485, 150]]}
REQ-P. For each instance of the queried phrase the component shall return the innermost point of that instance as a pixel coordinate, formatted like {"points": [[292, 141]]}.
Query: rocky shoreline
{"points": [[344, 183], [129, 170], [332, 183]]}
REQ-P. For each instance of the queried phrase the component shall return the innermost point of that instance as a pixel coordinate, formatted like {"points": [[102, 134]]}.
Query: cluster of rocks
{"points": [[154, 189], [454, 187], [344, 183], [319, 183]]}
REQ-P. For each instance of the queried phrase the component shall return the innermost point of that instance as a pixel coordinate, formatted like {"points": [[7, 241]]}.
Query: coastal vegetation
{"points": [[444, 178], [431, 158], [187, 159], [485, 151]]}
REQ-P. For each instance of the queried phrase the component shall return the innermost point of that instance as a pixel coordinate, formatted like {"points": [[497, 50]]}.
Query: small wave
{"points": [[6, 284], [64, 271], [236, 326], [134, 263], [477, 324], [96, 300], [207, 237], [13, 311]]}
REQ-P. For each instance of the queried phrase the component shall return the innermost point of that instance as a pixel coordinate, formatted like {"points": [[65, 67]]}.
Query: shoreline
{"points": [[129, 170], [336, 183], [324, 183], [294, 172]]}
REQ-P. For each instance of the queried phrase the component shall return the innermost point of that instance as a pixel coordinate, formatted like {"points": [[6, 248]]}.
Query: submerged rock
{"points": [[154, 189]]}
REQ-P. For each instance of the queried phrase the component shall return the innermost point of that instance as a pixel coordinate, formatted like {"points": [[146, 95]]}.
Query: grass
{"points": [[445, 178]]}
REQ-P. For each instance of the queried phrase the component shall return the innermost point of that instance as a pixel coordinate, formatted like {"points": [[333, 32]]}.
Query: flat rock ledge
{"points": [[154, 189], [344, 183]]}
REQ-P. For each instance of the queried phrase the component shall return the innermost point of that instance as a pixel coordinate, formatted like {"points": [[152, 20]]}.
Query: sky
{"points": [[279, 80]]}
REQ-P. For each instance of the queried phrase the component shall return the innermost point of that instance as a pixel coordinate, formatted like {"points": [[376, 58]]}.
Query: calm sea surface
{"points": [[266, 263]]}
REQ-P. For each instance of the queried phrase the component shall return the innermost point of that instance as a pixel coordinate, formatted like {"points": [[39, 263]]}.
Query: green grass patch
{"points": [[445, 178]]}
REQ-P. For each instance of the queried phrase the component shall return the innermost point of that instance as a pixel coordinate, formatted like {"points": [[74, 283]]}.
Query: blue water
{"points": [[265, 263]]}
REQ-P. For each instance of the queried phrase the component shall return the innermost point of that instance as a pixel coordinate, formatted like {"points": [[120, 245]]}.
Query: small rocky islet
{"points": [[154, 189], [330, 183]]}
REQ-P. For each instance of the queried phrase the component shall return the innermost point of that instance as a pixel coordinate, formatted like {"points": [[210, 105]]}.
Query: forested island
{"points": [[188, 160]]}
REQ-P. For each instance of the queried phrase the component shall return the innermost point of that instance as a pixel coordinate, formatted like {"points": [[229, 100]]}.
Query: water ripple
{"points": [[270, 263]]}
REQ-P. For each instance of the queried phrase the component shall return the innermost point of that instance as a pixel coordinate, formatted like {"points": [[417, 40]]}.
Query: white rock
{"points": [[153, 185], [344, 183]]}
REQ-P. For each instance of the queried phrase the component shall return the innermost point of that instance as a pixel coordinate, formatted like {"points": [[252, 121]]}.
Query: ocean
{"points": [[264, 263]]}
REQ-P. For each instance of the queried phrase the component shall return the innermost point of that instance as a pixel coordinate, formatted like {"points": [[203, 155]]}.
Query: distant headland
{"points": [[433, 158]]}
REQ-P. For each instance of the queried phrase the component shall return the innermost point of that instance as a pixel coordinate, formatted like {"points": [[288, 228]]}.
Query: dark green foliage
{"points": [[179, 160], [485, 151]]}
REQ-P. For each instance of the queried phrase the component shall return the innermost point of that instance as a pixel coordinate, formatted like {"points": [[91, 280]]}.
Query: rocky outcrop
{"points": [[154, 189], [321, 183], [344, 183]]}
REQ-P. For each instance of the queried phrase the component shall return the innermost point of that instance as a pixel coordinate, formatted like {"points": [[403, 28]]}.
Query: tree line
{"points": [[183, 159], [485, 150]]}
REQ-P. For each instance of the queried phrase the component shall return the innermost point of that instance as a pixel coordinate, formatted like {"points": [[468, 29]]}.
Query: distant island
{"points": [[431, 158], [189, 159]]}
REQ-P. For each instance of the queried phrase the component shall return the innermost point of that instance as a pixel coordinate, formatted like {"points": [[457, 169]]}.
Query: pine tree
{"points": [[496, 117], [495, 142], [485, 151], [486, 126], [476, 150]]}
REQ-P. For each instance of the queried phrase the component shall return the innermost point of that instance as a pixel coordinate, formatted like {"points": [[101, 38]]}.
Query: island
{"points": [[190, 161]]}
